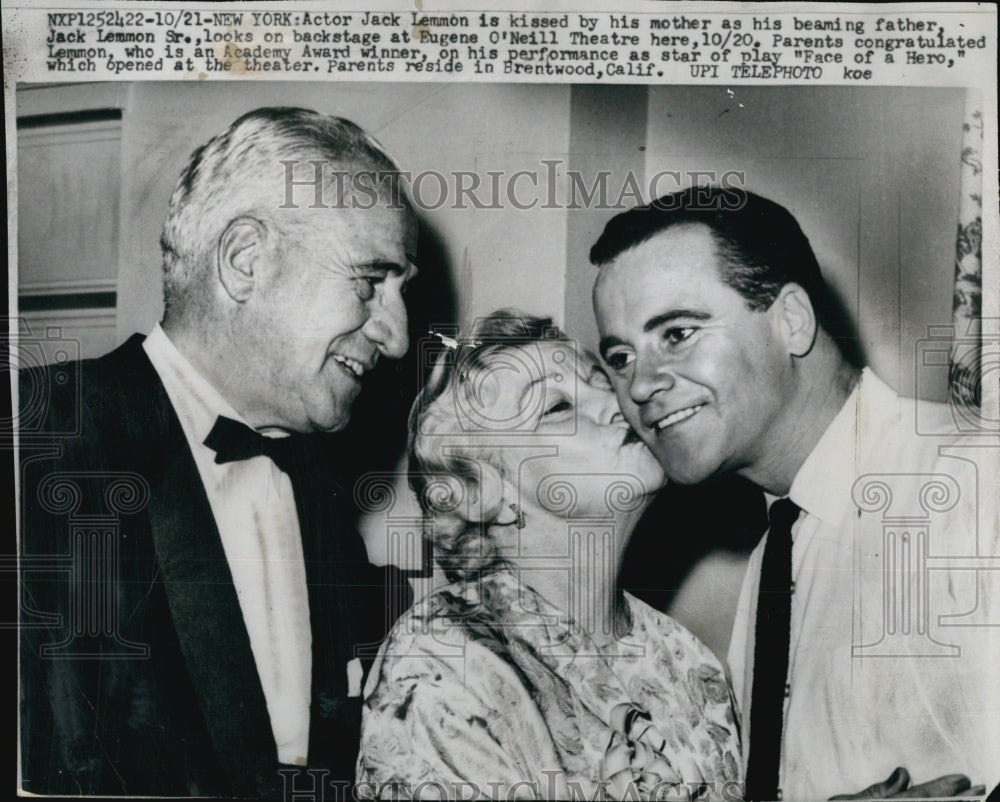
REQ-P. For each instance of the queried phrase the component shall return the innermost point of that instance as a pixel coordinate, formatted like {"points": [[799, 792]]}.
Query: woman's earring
{"points": [[518, 515]]}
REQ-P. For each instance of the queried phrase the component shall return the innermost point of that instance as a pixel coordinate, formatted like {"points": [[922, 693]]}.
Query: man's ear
{"points": [[796, 319], [240, 250]]}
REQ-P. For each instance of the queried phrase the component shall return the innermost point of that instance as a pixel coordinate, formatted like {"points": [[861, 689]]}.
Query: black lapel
{"points": [[333, 555], [199, 589], [347, 600], [350, 606]]}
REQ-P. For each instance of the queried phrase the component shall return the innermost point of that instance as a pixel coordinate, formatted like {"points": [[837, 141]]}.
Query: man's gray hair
{"points": [[240, 172]]}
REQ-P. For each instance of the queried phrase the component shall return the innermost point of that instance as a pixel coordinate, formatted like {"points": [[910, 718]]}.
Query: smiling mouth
{"points": [[355, 368], [676, 417]]}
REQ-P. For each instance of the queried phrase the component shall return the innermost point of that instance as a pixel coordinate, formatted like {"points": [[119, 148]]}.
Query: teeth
{"points": [[677, 417], [352, 365]]}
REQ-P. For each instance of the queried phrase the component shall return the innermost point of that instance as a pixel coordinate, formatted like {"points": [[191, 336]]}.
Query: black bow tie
{"points": [[233, 441]]}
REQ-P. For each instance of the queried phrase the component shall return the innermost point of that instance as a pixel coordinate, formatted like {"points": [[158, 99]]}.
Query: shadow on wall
{"points": [[840, 325], [687, 522]]}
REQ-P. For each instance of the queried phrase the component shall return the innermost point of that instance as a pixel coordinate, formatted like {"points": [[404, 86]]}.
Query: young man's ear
{"points": [[240, 249], [796, 319]]}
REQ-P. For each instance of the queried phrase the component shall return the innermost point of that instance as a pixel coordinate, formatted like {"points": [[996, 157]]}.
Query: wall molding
{"points": [[65, 287]]}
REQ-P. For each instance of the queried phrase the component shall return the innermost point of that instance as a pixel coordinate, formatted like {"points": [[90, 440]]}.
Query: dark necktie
{"points": [[770, 671], [233, 441]]}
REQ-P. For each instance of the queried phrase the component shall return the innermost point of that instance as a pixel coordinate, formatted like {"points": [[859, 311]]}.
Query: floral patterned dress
{"points": [[482, 691]]}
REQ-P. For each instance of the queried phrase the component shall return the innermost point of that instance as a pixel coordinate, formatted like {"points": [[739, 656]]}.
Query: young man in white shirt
{"points": [[715, 326]]}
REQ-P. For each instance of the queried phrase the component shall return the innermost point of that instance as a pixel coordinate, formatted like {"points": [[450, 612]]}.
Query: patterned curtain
{"points": [[964, 371]]}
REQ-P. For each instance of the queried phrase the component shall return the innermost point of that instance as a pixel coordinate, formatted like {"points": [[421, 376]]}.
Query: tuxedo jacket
{"points": [[137, 675]]}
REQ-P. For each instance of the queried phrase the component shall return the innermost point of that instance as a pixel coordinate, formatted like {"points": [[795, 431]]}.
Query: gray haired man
{"points": [[236, 593]]}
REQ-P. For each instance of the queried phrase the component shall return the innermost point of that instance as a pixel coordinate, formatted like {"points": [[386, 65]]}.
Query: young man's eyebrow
{"points": [[670, 317], [654, 323]]}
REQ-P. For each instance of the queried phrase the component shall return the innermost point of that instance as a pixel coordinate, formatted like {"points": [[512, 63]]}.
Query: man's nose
{"points": [[387, 324], [649, 377]]}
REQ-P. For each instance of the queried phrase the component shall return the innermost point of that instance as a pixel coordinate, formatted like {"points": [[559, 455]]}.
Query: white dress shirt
{"points": [[895, 628], [254, 509]]}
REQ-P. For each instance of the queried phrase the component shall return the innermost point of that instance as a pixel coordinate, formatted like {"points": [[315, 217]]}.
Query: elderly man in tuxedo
{"points": [[849, 656], [198, 628]]}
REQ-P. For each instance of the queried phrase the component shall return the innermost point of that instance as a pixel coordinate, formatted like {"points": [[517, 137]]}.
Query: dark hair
{"points": [[760, 244], [443, 473]]}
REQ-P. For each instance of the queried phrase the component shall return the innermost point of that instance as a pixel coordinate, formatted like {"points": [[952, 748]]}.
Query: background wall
{"points": [[871, 173]]}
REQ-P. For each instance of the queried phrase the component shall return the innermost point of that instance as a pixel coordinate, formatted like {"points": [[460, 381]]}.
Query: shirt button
{"points": [[788, 690], [778, 797], [791, 587]]}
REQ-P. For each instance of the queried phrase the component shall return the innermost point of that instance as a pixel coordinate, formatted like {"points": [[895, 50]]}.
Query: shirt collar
{"points": [[196, 402], [822, 487]]}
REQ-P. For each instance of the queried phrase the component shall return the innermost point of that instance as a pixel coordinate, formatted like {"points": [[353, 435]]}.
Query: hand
{"points": [[897, 786]]}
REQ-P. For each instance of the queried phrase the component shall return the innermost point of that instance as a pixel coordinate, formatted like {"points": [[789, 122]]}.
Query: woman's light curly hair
{"points": [[457, 476]]}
